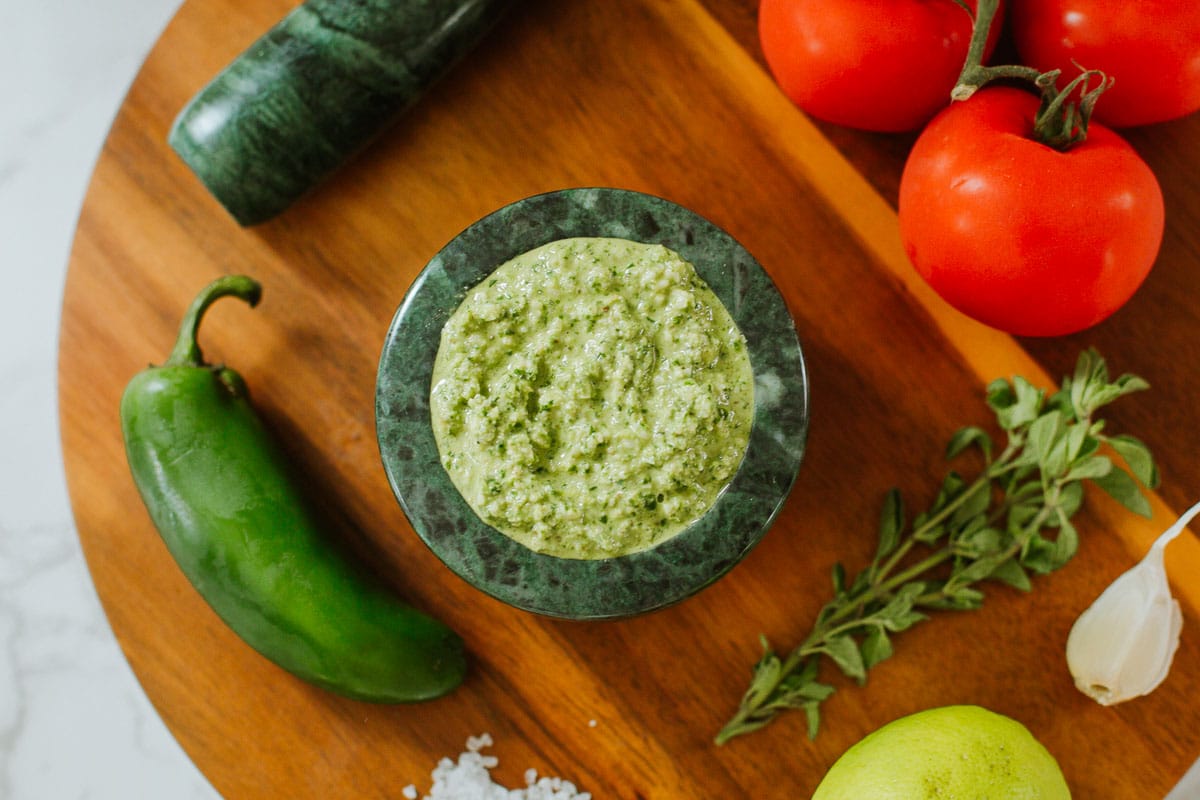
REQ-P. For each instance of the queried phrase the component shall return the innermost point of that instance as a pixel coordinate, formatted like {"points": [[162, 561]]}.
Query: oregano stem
{"points": [[812, 644], [854, 629], [917, 570], [993, 471], [929, 525], [816, 640]]}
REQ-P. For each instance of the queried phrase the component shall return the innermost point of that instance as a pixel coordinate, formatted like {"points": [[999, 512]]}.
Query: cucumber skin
{"points": [[316, 89]]}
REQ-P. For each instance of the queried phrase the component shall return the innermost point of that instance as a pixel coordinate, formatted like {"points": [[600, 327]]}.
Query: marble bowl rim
{"points": [[639, 582]]}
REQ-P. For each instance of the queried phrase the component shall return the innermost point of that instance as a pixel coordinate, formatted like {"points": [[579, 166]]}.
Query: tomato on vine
{"points": [[879, 65], [1019, 235], [1020, 213], [1151, 49]]}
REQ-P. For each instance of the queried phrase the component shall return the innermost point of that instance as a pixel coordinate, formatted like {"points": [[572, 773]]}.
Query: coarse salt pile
{"points": [[470, 779]]}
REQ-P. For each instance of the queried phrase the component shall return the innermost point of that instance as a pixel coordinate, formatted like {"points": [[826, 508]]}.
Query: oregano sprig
{"points": [[1007, 525]]}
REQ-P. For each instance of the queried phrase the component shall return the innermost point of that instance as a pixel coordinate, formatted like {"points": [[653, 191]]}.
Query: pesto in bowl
{"points": [[638, 575], [592, 397]]}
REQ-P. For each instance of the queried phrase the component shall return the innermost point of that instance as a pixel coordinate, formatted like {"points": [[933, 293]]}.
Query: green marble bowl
{"points": [[612, 587]]}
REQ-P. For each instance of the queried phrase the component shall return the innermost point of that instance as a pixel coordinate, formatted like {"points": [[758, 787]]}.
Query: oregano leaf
{"points": [[766, 676], [1013, 574], [975, 571], [1028, 406], [845, 653], [973, 505], [966, 598], [1070, 499], [1100, 396], [1122, 488], [1038, 555], [1128, 384], [966, 437], [891, 524], [1091, 467], [876, 647], [1006, 524], [898, 614], [812, 713], [1137, 457], [999, 394], [816, 691], [952, 485], [1043, 434], [902, 621], [981, 541], [1066, 544], [839, 579]]}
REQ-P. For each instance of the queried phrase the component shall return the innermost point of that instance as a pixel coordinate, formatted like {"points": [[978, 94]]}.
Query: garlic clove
{"points": [[1122, 646]]}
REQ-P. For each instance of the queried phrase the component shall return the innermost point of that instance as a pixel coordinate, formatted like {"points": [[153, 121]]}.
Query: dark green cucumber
{"points": [[221, 495], [315, 89]]}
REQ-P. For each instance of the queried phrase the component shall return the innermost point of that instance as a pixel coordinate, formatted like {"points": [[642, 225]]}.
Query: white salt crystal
{"points": [[477, 743], [469, 779]]}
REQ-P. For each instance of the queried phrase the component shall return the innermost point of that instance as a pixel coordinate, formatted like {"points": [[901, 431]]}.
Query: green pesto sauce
{"points": [[592, 397]]}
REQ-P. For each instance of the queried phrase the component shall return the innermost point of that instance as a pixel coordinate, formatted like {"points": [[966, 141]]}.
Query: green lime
{"points": [[949, 753]]}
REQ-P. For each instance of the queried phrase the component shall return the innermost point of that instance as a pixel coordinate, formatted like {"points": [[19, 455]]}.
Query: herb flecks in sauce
{"points": [[592, 397]]}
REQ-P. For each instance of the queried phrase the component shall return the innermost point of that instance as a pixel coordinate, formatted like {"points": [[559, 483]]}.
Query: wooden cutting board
{"points": [[652, 95]]}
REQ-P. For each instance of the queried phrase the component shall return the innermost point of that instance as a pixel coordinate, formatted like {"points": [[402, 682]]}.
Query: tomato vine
{"points": [[1061, 122]]}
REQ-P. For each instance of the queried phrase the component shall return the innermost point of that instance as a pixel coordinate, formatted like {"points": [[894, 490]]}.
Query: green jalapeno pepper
{"points": [[219, 492]]}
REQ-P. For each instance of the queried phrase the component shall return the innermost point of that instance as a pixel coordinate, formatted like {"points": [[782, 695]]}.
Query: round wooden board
{"points": [[641, 94]]}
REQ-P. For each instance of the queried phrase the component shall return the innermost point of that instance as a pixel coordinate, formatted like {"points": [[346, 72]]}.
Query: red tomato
{"points": [[880, 65], [1018, 235], [1151, 48]]}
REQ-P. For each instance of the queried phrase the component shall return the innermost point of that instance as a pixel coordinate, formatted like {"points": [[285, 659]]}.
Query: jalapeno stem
{"points": [[187, 350]]}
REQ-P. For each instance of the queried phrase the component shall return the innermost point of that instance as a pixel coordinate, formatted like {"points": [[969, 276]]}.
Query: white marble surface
{"points": [[73, 721]]}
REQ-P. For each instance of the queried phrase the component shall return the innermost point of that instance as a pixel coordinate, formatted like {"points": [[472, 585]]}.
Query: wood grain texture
{"points": [[661, 97]]}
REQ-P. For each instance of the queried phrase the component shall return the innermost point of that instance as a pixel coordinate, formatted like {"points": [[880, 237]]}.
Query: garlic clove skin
{"points": [[1122, 646]]}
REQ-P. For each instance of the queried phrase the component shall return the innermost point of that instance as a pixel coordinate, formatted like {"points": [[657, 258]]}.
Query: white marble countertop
{"points": [[74, 723]]}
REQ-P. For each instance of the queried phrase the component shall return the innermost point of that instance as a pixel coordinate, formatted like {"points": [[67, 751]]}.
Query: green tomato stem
{"points": [[1060, 122], [974, 74]]}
